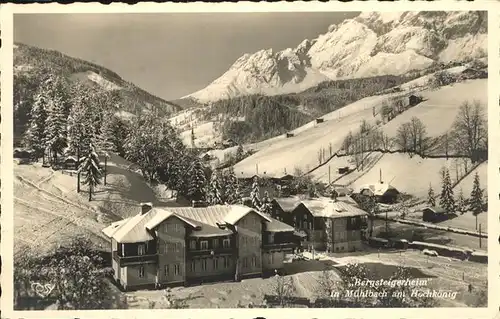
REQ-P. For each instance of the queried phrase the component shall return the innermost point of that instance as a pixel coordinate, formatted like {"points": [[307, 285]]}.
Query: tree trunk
{"points": [[105, 168], [78, 168], [91, 188]]}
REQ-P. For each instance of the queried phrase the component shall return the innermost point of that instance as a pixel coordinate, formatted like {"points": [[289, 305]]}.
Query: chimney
{"points": [[146, 207]]}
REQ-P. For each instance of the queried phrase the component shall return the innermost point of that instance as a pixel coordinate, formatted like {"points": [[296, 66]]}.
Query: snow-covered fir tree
{"points": [[91, 169], [35, 136], [431, 197], [197, 182], [447, 200], [476, 197], [255, 193], [232, 192], [266, 206], [214, 190], [56, 123], [461, 202]]}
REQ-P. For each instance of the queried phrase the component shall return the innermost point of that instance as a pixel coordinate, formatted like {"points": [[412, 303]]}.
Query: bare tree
{"points": [[347, 144], [418, 136], [470, 130], [403, 137], [283, 288]]}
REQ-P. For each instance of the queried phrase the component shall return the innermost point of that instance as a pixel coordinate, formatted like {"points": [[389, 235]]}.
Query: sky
{"points": [[170, 55]]}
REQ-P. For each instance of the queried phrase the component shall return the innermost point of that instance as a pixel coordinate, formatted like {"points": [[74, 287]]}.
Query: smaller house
{"points": [[319, 120], [288, 135], [228, 143], [70, 162], [383, 193], [436, 214], [343, 170], [340, 192], [414, 100]]}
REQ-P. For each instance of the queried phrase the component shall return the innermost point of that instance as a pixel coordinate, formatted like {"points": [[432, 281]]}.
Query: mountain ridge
{"points": [[355, 48]]}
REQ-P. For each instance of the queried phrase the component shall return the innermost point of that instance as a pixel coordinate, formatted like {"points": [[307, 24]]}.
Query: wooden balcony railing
{"points": [[279, 246], [127, 260], [209, 252]]}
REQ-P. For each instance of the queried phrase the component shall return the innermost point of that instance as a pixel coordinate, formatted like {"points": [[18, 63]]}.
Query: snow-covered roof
{"points": [[204, 221], [378, 189]]}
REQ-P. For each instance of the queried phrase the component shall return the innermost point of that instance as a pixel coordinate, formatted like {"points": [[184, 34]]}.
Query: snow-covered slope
{"points": [[437, 112], [371, 44]]}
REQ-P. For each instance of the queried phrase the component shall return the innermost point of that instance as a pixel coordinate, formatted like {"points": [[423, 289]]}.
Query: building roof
{"points": [[276, 226], [288, 204], [204, 221], [436, 209], [338, 209], [323, 207], [378, 189]]}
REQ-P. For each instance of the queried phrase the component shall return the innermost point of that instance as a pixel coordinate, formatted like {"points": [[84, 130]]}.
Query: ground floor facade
{"points": [[195, 271]]}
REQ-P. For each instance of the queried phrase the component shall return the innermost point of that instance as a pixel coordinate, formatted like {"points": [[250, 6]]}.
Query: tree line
{"points": [[253, 118], [475, 203], [468, 137]]}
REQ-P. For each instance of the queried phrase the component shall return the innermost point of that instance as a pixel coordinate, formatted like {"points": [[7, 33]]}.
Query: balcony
{"points": [[279, 246], [129, 260], [210, 252]]}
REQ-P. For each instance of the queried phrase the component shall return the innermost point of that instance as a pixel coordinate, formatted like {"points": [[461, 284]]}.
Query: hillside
{"points": [[372, 44], [32, 65], [437, 112], [49, 211]]}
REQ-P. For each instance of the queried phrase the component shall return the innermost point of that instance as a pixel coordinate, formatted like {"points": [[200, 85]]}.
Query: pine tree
{"points": [[232, 192], [461, 202], [91, 167], [447, 200], [35, 136], [476, 198], [255, 194], [266, 206], [239, 153], [214, 193], [431, 197], [197, 182], [107, 139], [56, 126]]}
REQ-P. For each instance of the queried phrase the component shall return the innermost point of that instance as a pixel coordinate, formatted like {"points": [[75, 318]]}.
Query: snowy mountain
{"points": [[371, 44]]}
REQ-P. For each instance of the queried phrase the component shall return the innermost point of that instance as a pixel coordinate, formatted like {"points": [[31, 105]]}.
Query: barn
{"points": [[383, 192], [414, 100], [435, 214]]}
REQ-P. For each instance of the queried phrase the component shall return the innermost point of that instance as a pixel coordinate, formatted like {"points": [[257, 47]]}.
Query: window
{"points": [[271, 258], [166, 271], [192, 244], [270, 238], [203, 264], [166, 227], [141, 272], [177, 269], [310, 225], [342, 248], [178, 247], [245, 262], [176, 227], [192, 266], [166, 248], [227, 262], [141, 249], [226, 243], [254, 261], [204, 245], [216, 243], [216, 263]]}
